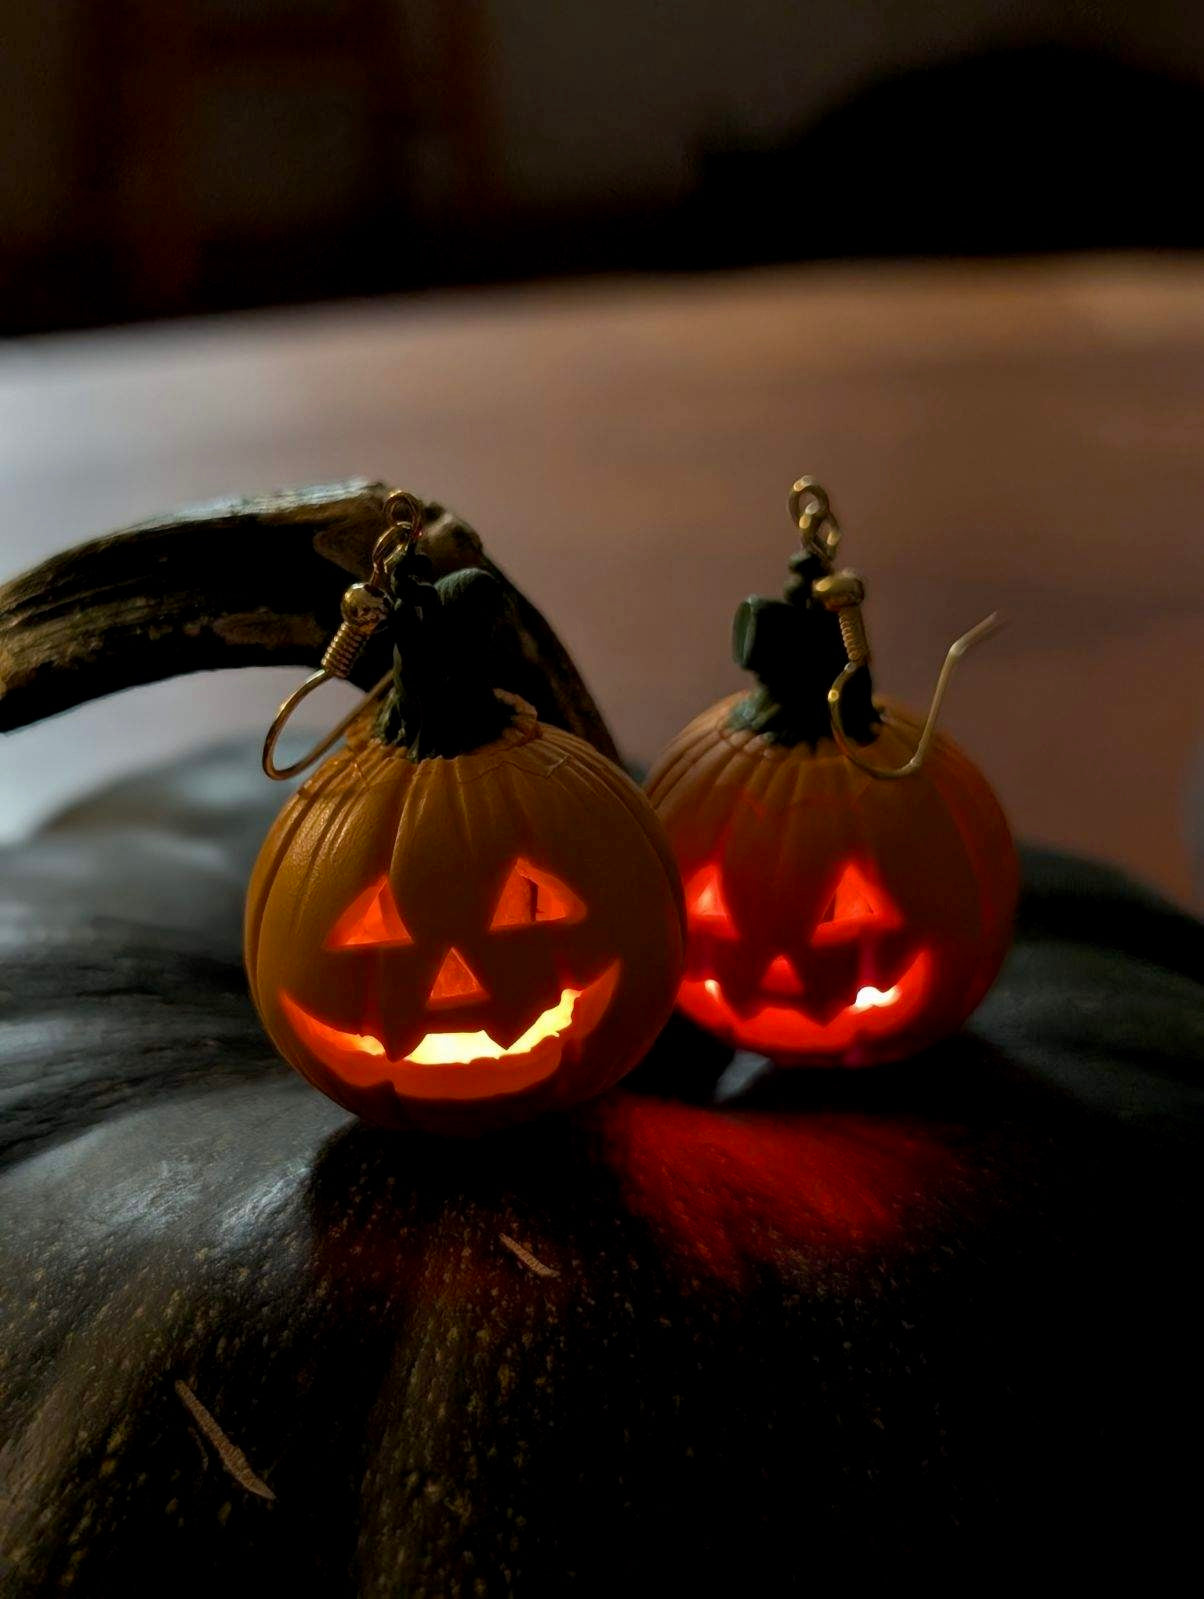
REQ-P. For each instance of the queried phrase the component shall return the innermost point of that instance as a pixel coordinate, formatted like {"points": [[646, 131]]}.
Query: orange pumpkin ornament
{"points": [[850, 877], [465, 917]]}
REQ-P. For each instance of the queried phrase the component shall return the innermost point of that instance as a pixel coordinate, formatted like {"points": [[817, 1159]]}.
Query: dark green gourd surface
{"points": [[923, 1324]]}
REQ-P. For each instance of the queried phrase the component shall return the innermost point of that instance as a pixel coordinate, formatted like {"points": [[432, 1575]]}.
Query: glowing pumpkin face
{"points": [[833, 919], [852, 979], [456, 943], [456, 1058]]}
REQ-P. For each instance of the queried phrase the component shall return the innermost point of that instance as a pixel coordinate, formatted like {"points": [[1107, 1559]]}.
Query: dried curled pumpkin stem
{"points": [[241, 582]]}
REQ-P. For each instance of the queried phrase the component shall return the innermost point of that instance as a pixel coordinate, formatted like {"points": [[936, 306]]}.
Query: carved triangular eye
{"points": [[371, 918], [532, 895], [854, 903], [706, 904]]}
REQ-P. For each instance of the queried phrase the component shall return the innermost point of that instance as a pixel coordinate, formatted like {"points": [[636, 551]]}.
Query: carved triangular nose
{"points": [[780, 977], [455, 983]]}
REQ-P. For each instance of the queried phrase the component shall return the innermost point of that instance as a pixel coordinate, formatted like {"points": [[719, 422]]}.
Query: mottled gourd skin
{"points": [[445, 835], [844, 1329], [774, 829]]}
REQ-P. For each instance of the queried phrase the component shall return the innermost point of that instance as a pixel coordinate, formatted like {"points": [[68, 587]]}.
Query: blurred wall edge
{"points": [[166, 158]]}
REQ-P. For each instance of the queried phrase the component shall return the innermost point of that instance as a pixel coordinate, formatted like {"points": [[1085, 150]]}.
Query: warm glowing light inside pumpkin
{"points": [[584, 1005], [442, 1049], [402, 991], [871, 998], [706, 904], [787, 1030], [458, 1065], [532, 895], [371, 918], [790, 1011], [781, 978], [529, 895], [855, 905], [456, 983], [445, 1048]]}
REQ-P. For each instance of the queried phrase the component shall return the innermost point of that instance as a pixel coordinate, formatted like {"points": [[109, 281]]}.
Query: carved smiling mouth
{"points": [[786, 1031], [458, 1065]]}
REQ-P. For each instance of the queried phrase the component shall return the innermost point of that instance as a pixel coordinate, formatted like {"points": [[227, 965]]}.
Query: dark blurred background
{"points": [[606, 276], [167, 157]]}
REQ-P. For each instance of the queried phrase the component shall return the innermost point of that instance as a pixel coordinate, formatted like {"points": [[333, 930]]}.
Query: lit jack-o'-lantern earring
{"points": [[850, 878], [464, 917]]}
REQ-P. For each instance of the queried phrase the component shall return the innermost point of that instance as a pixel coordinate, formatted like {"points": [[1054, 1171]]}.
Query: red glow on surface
{"points": [[371, 918], [706, 904], [533, 895], [729, 1190], [455, 983], [787, 1030]]}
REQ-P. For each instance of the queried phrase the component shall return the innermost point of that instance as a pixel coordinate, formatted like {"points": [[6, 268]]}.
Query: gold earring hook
{"points": [[843, 592], [811, 513], [288, 706], [365, 607]]}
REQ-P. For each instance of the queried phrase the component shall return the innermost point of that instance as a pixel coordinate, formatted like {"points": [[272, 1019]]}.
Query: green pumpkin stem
{"points": [[450, 642], [793, 647]]}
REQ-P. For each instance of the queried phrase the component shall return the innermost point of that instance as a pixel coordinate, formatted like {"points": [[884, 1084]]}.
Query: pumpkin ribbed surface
{"points": [[444, 839], [776, 833]]}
